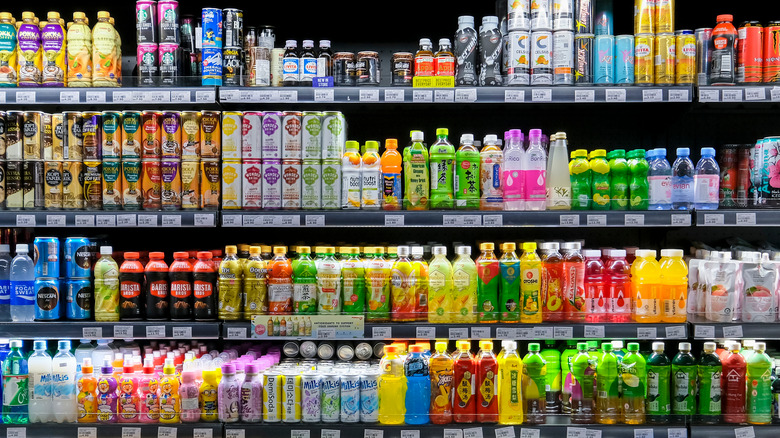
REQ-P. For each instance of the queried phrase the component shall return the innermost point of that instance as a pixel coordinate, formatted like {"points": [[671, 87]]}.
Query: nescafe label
{"points": [[48, 298], [53, 177], [82, 257], [84, 298]]}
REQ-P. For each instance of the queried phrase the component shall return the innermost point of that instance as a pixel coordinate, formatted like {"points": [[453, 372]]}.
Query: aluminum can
{"points": [[111, 144], [168, 19], [644, 16], [334, 135], [170, 194], [291, 135], [291, 185], [350, 398], [132, 134], [47, 299], [78, 257], [93, 185], [52, 196], [79, 299], [32, 130], [47, 257], [14, 197], [231, 185], [583, 59], [92, 135], [604, 20], [210, 184], [541, 58], [252, 185], [272, 184], [624, 59], [147, 59], [145, 21], [72, 185], [210, 135], [312, 135], [583, 16], [369, 396], [46, 135], [231, 135], [330, 387], [151, 184], [519, 15], [311, 187], [644, 49], [14, 127], [190, 185], [73, 143], [604, 62], [55, 152], [272, 397], [541, 15], [190, 135], [2, 184], [211, 20], [211, 69], [750, 46], [665, 59], [563, 57], [771, 52], [519, 53], [132, 191], [310, 397], [272, 136], [232, 27], [112, 185], [3, 137], [152, 137], [685, 70], [331, 185], [169, 58], [292, 398], [664, 16], [170, 135], [252, 136], [563, 15], [232, 66], [703, 55], [33, 185]]}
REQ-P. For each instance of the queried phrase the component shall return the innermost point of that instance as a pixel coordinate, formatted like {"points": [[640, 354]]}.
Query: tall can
{"points": [[644, 49], [334, 135], [604, 62], [32, 130], [232, 67], [14, 197], [518, 71], [291, 397], [541, 15], [112, 185], [72, 184], [210, 135], [14, 126], [369, 398], [272, 397], [231, 185], [151, 184], [168, 21], [252, 185], [291, 184], [272, 136], [3, 177], [232, 27], [190, 135], [771, 52], [32, 185], [685, 70], [644, 16], [170, 135], [3, 137], [291, 135], [466, 45], [350, 398], [603, 19], [519, 15], [79, 297], [47, 299], [111, 135], [92, 134], [624, 59], [664, 16], [583, 16], [252, 136], [211, 20], [132, 190], [46, 257], [272, 184], [147, 60], [563, 15], [311, 187], [47, 135], [310, 397], [170, 189], [665, 59], [211, 68], [78, 257], [93, 185], [563, 57], [152, 137], [750, 46], [311, 137], [210, 184], [583, 59], [55, 152], [52, 196], [145, 21], [132, 134], [330, 387], [703, 55], [73, 146], [331, 184], [231, 135], [169, 56], [190, 185]]}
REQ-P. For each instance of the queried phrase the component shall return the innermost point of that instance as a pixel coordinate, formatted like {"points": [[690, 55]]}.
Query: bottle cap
{"points": [[466, 21], [416, 349], [672, 253], [402, 251], [390, 349], [181, 255], [441, 346], [442, 131], [617, 345], [463, 250], [660, 152], [291, 43], [21, 248], [514, 133], [255, 250], [529, 246], [533, 347], [425, 42], [444, 42], [325, 44], [709, 347], [708, 152], [63, 345], [464, 345], [725, 17], [537, 134], [467, 138], [684, 346], [352, 145], [157, 255], [549, 246], [683, 152], [606, 347], [280, 250], [617, 253], [418, 136], [391, 143], [39, 345], [490, 139], [308, 43], [591, 253], [439, 250], [508, 247], [373, 145], [487, 246], [582, 346], [760, 346], [571, 245], [228, 368], [201, 255], [486, 345], [417, 251], [633, 347]]}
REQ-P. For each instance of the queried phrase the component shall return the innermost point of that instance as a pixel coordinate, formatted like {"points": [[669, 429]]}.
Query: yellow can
{"points": [[665, 58], [643, 59], [32, 130], [73, 185], [664, 16], [58, 128], [644, 16], [190, 185], [685, 72], [52, 192], [231, 185]]}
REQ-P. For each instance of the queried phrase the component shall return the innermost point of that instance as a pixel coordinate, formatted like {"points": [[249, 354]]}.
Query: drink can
{"points": [[152, 137], [231, 185], [541, 15], [311, 188], [168, 19], [170, 194], [211, 20], [91, 131], [211, 69], [210, 184], [644, 16], [369, 396], [78, 294], [604, 21], [277, 61], [292, 398], [3, 135], [47, 137], [331, 185], [291, 135], [132, 134], [54, 152], [583, 59], [685, 71], [32, 185], [78, 257], [93, 185], [32, 129], [272, 136], [563, 57], [583, 16], [644, 49], [519, 52], [334, 135], [252, 136], [604, 62], [750, 46], [310, 397], [771, 52], [170, 141], [664, 16], [519, 16], [232, 66], [47, 299], [147, 58], [151, 184], [703, 55], [190, 135], [112, 185], [743, 175], [132, 191], [624, 59], [210, 135], [168, 58], [73, 140], [231, 135], [232, 23], [312, 135], [190, 185], [47, 257], [308, 349], [350, 398], [52, 196], [252, 185], [14, 127], [2, 184], [563, 15], [291, 184], [330, 387], [111, 135], [344, 69], [72, 184], [665, 58], [272, 184], [272, 397], [145, 21], [14, 197]]}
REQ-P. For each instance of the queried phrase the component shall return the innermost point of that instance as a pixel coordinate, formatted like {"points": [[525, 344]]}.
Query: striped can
{"points": [[583, 59], [47, 257], [190, 185], [331, 185], [334, 135], [771, 53], [272, 397], [624, 59], [151, 184], [272, 136], [310, 397], [644, 64], [190, 135], [369, 398], [252, 185], [272, 184], [132, 192], [311, 138], [231, 185], [311, 187], [132, 134], [111, 144], [231, 135], [291, 135], [291, 185], [291, 390], [252, 136]]}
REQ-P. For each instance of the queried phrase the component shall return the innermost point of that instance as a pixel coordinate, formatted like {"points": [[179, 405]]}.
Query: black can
{"points": [[232, 66], [583, 16], [14, 199], [147, 59], [583, 60], [2, 135], [170, 62], [232, 27], [188, 33], [32, 184], [344, 69], [145, 22]]}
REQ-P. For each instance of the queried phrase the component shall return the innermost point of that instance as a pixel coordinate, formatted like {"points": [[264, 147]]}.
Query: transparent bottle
{"points": [[514, 177], [659, 178], [5, 282], [63, 384], [442, 160], [444, 60], [492, 165], [351, 167], [558, 183], [706, 181], [22, 286], [682, 180], [15, 384], [106, 287], [84, 350], [535, 172], [101, 351], [423, 59], [467, 161], [39, 367]]}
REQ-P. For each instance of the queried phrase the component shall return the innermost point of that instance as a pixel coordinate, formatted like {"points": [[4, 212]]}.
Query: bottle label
{"points": [[707, 189], [535, 185], [15, 391], [709, 390], [181, 289], [487, 388], [682, 189], [62, 384], [202, 289], [759, 394], [684, 378], [660, 189], [5, 292], [465, 389], [467, 180], [22, 293], [423, 66], [370, 189], [130, 289], [309, 69], [445, 65], [658, 391], [530, 289], [290, 69], [392, 188], [158, 289], [40, 386], [513, 185]]}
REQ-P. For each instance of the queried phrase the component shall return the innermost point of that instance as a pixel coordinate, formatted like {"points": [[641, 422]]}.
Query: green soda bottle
{"points": [[658, 373], [683, 384], [759, 391], [442, 155], [553, 386], [607, 398], [416, 174], [579, 169], [15, 386], [633, 374], [353, 283], [509, 295], [566, 359], [487, 284], [709, 371], [618, 174], [600, 182], [583, 371], [304, 282], [535, 385], [467, 161], [638, 187], [106, 287]]}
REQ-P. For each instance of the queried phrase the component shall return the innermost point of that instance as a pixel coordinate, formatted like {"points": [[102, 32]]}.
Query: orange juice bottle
{"points": [[441, 371], [674, 286], [79, 51], [391, 175], [646, 285], [280, 283]]}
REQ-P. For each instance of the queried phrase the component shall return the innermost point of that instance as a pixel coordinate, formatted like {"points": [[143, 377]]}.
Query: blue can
{"points": [[47, 257], [624, 59], [604, 22], [78, 257], [79, 294], [604, 60], [211, 74], [212, 28], [47, 299]]}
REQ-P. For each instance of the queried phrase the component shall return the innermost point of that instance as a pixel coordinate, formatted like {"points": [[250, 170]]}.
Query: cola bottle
{"points": [[466, 52], [490, 48]]}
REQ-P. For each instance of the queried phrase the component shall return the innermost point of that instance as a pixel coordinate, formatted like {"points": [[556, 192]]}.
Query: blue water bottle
{"points": [[659, 178], [418, 386], [682, 180]]}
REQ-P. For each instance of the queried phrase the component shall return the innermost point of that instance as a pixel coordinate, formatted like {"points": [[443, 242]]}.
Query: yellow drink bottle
{"points": [[464, 286], [439, 287], [170, 403], [674, 286], [392, 388], [79, 46], [530, 284], [104, 62], [510, 393], [647, 282]]}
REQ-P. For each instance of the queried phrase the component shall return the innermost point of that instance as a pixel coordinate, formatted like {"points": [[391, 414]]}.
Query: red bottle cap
{"points": [[156, 255], [205, 255], [181, 255], [131, 255], [725, 17]]}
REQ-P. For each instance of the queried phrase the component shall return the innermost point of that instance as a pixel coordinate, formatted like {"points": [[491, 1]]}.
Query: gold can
{"points": [[112, 185], [190, 185], [231, 185], [111, 144], [190, 135], [170, 171], [664, 16], [73, 146], [151, 182], [58, 127], [665, 58], [93, 185], [211, 184], [46, 134], [170, 130], [52, 179], [643, 59], [210, 135], [132, 195], [73, 185], [132, 134], [32, 130], [644, 16], [92, 133], [685, 71]]}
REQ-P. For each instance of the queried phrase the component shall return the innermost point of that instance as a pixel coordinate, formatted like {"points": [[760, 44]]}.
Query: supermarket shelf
{"points": [[107, 430], [738, 94], [708, 330], [731, 431], [99, 96], [91, 219], [454, 218], [742, 218], [117, 330], [395, 95]]}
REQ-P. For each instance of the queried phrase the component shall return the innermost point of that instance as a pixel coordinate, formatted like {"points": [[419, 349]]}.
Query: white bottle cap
{"points": [[324, 43], [425, 42], [672, 253], [5, 247], [467, 138], [490, 139], [685, 346], [591, 253], [21, 247], [463, 250], [617, 253], [106, 250], [658, 346], [402, 251], [308, 43], [418, 136], [440, 250], [417, 251], [444, 42]]}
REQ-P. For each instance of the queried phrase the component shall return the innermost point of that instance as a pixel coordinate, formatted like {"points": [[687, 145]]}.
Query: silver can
{"points": [[369, 397], [703, 55], [291, 135], [541, 58], [311, 188], [290, 349], [563, 57], [330, 402], [363, 351], [519, 15], [350, 398], [310, 397], [541, 15], [563, 15], [519, 51], [311, 138], [291, 390], [291, 184], [379, 349], [272, 397], [331, 185], [345, 352], [308, 349], [272, 136], [252, 140], [334, 135], [325, 351]]}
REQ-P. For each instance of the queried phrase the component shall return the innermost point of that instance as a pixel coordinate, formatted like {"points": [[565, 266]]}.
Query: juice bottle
{"points": [[79, 44], [157, 287], [510, 384], [514, 177], [659, 370], [552, 295], [596, 292], [674, 286], [464, 382], [106, 287], [371, 188], [118, 45], [131, 283], [487, 286], [487, 382], [87, 396], [418, 386], [510, 285], [724, 50], [558, 180], [491, 174], [607, 397], [228, 398], [759, 394], [444, 60], [230, 271], [683, 383], [170, 404], [304, 282], [646, 281], [441, 372], [710, 394], [423, 59], [442, 154], [392, 388], [566, 358], [465, 279], [600, 181], [149, 387], [534, 385], [204, 288], [8, 43], [106, 394], [573, 282], [129, 401], [582, 378], [638, 186], [280, 283], [618, 283], [581, 180], [378, 284], [440, 307], [391, 176], [353, 287], [328, 280], [180, 275], [421, 282], [618, 175], [352, 176], [633, 373], [188, 395], [530, 287], [104, 54], [30, 54], [54, 53], [402, 287], [255, 285], [39, 394], [207, 400], [553, 380], [416, 174], [534, 171], [467, 174]]}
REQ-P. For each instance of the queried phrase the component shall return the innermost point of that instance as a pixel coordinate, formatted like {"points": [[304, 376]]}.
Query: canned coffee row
{"points": [[63, 278]]}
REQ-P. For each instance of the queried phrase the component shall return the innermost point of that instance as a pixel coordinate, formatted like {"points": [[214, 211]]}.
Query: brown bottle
{"points": [[157, 286], [423, 59]]}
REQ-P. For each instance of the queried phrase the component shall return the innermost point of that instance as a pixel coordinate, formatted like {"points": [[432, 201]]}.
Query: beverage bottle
{"points": [[491, 171], [39, 366], [441, 373], [674, 285], [581, 180], [391, 176], [353, 287], [22, 278], [416, 174], [510, 284], [600, 180], [464, 399], [291, 64], [105, 63], [307, 64], [582, 378], [706, 181], [328, 280], [638, 187], [204, 288], [466, 52], [423, 59], [618, 175], [442, 154], [106, 394], [759, 395], [724, 49], [106, 286], [558, 182], [683, 181], [207, 400], [351, 173], [552, 293], [251, 396], [5, 282], [63, 384], [728, 176], [102, 351], [618, 284], [392, 388], [566, 359], [54, 53], [487, 382], [255, 285], [683, 383], [131, 283], [530, 286], [79, 44], [378, 285], [553, 379], [607, 397], [467, 174], [597, 298], [418, 386], [84, 349], [29, 54], [170, 404], [180, 277], [464, 286], [534, 173], [490, 46], [709, 377], [304, 282], [149, 388], [776, 394], [371, 187], [157, 287], [230, 291], [534, 385], [188, 396], [87, 399], [324, 59], [510, 381], [402, 287], [488, 268], [444, 59], [646, 282], [514, 175], [228, 395], [733, 386], [440, 286], [659, 177], [573, 282], [129, 401], [633, 372], [420, 275]]}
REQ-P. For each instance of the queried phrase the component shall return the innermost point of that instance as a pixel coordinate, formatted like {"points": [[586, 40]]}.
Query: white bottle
{"points": [[351, 165], [514, 178], [39, 368], [103, 351], [558, 180], [84, 349], [535, 172], [5, 282], [63, 384], [22, 286]]}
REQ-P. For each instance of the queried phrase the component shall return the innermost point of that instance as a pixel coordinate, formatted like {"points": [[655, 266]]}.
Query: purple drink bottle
{"points": [[188, 394], [227, 395], [107, 398], [252, 395]]}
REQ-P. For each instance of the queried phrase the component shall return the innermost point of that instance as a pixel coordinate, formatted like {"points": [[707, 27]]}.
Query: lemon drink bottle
{"points": [[607, 397], [440, 308], [646, 283], [600, 181], [509, 293], [534, 385], [510, 385], [392, 388], [402, 287], [633, 375], [530, 286], [464, 286], [579, 169]]}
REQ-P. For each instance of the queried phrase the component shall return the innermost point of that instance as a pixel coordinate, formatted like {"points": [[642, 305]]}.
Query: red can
{"points": [[151, 184], [749, 52], [151, 145], [772, 52]]}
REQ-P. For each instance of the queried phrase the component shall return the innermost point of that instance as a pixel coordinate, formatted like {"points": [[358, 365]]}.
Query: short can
{"points": [[272, 397], [14, 128], [291, 389], [330, 387], [369, 397], [32, 130], [291, 135], [210, 184], [350, 398], [78, 295], [310, 397], [291, 184], [563, 57], [211, 66], [665, 57], [73, 185], [685, 71], [112, 135], [58, 128], [47, 299], [52, 196], [518, 71], [311, 137], [132, 134], [190, 185], [563, 15], [311, 187], [47, 257], [232, 66], [331, 184], [93, 185], [231, 135], [212, 27], [252, 136], [210, 135], [170, 178], [132, 191], [272, 136], [231, 185], [73, 145], [334, 135], [152, 137], [92, 130], [32, 185], [170, 135], [583, 59], [644, 49], [604, 60], [112, 185], [252, 185], [78, 257], [272, 184], [14, 197], [151, 184], [190, 135], [624, 59]]}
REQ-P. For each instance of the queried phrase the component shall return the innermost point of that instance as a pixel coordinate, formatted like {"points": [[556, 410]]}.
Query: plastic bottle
{"points": [[230, 285], [420, 267], [442, 154], [8, 46], [638, 186], [402, 289], [646, 281], [149, 386], [618, 174], [371, 186], [597, 299], [353, 283], [534, 385], [29, 53], [106, 287], [416, 174], [63, 384], [467, 174], [377, 284], [530, 284], [204, 288], [464, 382], [102, 351], [39, 369], [5, 282], [600, 179], [418, 387], [22, 283], [441, 372], [488, 268], [582, 379], [659, 178], [87, 399], [328, 280], [683, 383], [682, 180], [180, 278], [207, 400], [440, 305], [131, 284], [534, 169], [674, 286], [423, 59], [106, 394], [84, 350], [228, 395], [79, 43], [351, 174], [633, 374], [487, 383], [391, 176], [251, 396], [255, 284], [514, 176], [466, 48], [510, 384], [129, 396], [566, 359], [709, 389], [392, 388], [706, 181], [491, 174], [304, 282], [607, 397], [553, 378], [465, 281], [724, 52], [573, 282], [188, 396], [54, 71], [618, 283], [170, 405], [552, 292], [104, 61], [510, 284], [759, 394], [558, 184], [776, 394], [581, 180]]}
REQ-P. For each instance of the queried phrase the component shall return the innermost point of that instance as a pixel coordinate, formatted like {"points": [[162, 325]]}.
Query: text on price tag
{"points": [[507, 432], [131, 432], [373, 433], [87, 432], [330, 433], [167, 432]]}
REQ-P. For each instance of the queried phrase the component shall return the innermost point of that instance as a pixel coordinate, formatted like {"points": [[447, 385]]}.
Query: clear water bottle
{"points": [[63, 384], [84, 350], [102, 350], [39, 367], [706, 181], [5, 282], [534, 170], [659, 178], [22, 286], [514, 178], [682, 180]]}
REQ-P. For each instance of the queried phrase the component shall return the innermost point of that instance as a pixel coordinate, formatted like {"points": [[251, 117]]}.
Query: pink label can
{"points": [[252, 185], [291, 184], [291, 135], [272, 184], [252, 139], [272, 136]]}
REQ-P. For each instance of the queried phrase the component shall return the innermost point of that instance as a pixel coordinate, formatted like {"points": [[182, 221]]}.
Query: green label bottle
{"points": [[607, 397], [416, 174], [633, 373], [442, 156], [467, 174], [618, 174], [759, 386], [639, 189], [600, 182], [510, 284], [683, 383], [658, 373], [353, 284], [580, 172], [709, 374], [304, 282], [487, 284]]}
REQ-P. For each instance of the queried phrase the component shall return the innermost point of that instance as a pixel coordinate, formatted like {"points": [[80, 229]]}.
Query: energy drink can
{"points": [[170, 172], [190, 135], [78, 295], [112, 185], [369, 396], [252, 185], [583, 16], [644, 16], [563, 15], [170, 138], [703, 55], [272, 136], [210, 184], [151, 184], [644, 49], [190, 185], [665, 59], [272, 397], [310, 397], [334, 135], [111, 144], [291, 135], [272, 185], [211, 20], [519, 51], [624, 59], [350, 398], [91, 131], [47, 299], [541, 15], [231, 135], [14, 126], [32, 129], [52, 196], [47, 257], [210, 135], [583, 59], [132, 191], [292, 398], [331, 185], [145, 21], [152, 137], [78, 257], [14, 197], [211, 73], [563, 57], [541, 58], [664, 16], [252, 136], [132, 134], [604, 20], [771, 53], [604, 62], [685, 70], [519, 15], [93, 185], [750, 61], [312, 135], [311, 187], [72, 185], [330, 387], [32, 185], [231, 185], [291, 185]]}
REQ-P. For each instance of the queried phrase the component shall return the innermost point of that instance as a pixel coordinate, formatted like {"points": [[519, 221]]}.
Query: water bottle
{"points": [[22, 286], [5, 282], [15, 384], [102, 350], [39, 366], [418, 386], [84, 350], [514, 178], [534, 169], [660, 179], [682, 180], [706, 181], [63, 384]]}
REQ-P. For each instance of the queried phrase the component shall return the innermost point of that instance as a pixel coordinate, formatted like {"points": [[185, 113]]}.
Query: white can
{"points": [[231, 185], [231, 135], [541, 15], [291, 135], [252, 136], [519, 16], [272, 397], [331, 184], [252, 185], [369, 398], [311, 138], [519, 50], [272, 136], [563, 15], [291, 184], [563, 57], [541, 58], [334, 135], [330, 385], [350, 398], [272, 184], [311, 187], [310, 397]]}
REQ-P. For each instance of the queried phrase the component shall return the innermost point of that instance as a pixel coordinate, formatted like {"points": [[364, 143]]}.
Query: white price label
{"points": [[424, 96], [444, 96], [324, 94], [480, 333], [96, 97], [131, 432], [584, 95], [526, 333], [755, 93], [330, 433], [681, 220], [202, 433], [123, 331], [514, 96], [171, 220], [506, 333], [373, 433], [452, 433], [597, 220], [181, 96], [394, 220], [615, 95], [264, 96], [25, 220], [732, 95], [713, 219], [256, 221], [746, 218], [288, 96], [425, 332], [734, 331], [529, 433], [592, 433], [248, 96], [167, 432], [541, 95], [457, 333], [675, 332], [84, 220], [544, 333], [677, 432], [395, 95], [122, 96], [228, 95], [774, 94], [410, 434], [25, 97], [473, 432], [576, 432], [92, 332], [55, 220], [594, 331], [709, 95], [126, 220], [315, 220], [704, 332], [87, 432], [369, 95], [69, 97], [155, 331], [679, 95], [16, 432], [465, 95], [326, 333], [634, 220], [235, 433], [104, 220], [300, 434], [643, 433], [158, 97], [509, 432], [744, 432], [292, 220], [569, 220], [236, 333], [381, 332], [182, 332], [563, 332], [147, 220], [468, 220], [204, 219], [205, 96], [646, 333], [493, 220], [232, 220]]}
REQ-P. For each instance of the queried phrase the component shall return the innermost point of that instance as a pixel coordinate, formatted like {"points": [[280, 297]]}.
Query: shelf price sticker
{"points": [[544, 333], [288, 96], [232, 220], [473, 432], [654, 95], [16, 432], [634, 220], [25, 97], [466, 95], [732, 95], [615, 95], [105, 220], [681, 220], [131, 432], [235, 433], [84, 220], [643, 433], [594, 331], [679, 95], [87, 432], [368, 96], [171, 220], [324, 94], [713, 219], [298, 433], [394, 220], [236, 333], [96, 97], [326, 333], [563, 332], [122, 96], [734, 331], [493, 220], [541, 95], [147, 220], [514, 96], [395, 95], [774, 94], [647, 333], [597, 220], [182, 333], [330, 433], [755, 93], [709, 95], [704, 332], [506, 333], [744, 432], [480, 333], [25, 220], [69, 97], [228, 95], [675, 332], [456, 333], [593, 433], [155, 331], [202, 433], [452, 433], [315, 220], [92, 332], [55, 220], [381, 332], [444, 96], [576, 432], [584, 95], [126, 220], [425, 332], [569, 220], [746, 219], [527, 433], [509, 432], [410, 434], [373, 433], [181, 96], [205, 96], [123, 331], [422, 96], [525, 333], [203, 220], [677, 432], [167, 432]]}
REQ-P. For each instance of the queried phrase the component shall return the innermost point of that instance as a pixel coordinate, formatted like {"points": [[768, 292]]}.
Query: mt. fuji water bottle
{"points": [[682, 180], [514, 177], [535, 173], [706, 181]]}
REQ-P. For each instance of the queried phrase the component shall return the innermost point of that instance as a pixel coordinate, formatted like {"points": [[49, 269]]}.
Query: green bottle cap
{"points": [[593, 344], [442, 131], [533, 347], [633, 347], [374, 145], [640, 152], [582, 346], [606, 347], [352, 145]]}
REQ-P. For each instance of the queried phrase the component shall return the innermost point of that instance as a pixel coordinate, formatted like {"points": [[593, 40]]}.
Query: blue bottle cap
{"points": [[683, 152], [660, 152], [39, 345], [708, 152]]}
